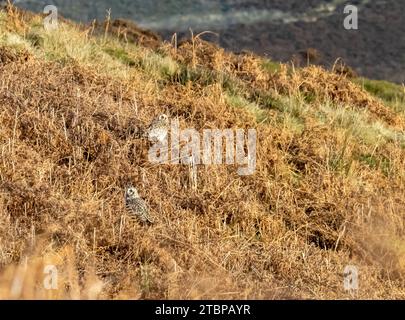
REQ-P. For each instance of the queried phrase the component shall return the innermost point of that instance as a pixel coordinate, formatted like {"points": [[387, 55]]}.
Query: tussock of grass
{"points": [[367, 130], [328, 190], [240, 102], [271, 66], [12, 40]]}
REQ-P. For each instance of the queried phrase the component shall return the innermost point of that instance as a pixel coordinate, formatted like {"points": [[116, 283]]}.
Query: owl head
{"points": [[163, 118], [131, 193]]}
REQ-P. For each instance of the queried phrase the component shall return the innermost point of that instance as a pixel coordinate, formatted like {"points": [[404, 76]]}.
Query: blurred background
{"points": [[285, 30]]}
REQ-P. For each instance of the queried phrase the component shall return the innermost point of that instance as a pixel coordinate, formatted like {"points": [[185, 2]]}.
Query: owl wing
{"points": [[154, 124], [139, 208], [146, 129], [144, 210]]}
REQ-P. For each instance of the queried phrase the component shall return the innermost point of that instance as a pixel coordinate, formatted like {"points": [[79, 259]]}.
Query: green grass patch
{"points": [[240, 102], [271, 66], [186, 75], [121, 55], [377, 163], [393, 95], [387, 91]]}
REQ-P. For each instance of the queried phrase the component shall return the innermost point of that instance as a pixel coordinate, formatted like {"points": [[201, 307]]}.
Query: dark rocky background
{"points": [[281, 29]]}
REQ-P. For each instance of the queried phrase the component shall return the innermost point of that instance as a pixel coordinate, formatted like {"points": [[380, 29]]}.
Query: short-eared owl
{"points": [[158, 129], [136, 205]]}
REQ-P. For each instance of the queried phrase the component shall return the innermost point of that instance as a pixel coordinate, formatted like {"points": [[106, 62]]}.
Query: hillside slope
{"points": [[281, 29], [328, 190]]}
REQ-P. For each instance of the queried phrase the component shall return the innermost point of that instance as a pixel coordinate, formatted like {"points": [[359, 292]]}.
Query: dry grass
{"points": [[325, 193]]}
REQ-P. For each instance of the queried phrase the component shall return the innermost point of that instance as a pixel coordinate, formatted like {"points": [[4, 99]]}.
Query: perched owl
{"points": [[136, 205], [158, 129]]}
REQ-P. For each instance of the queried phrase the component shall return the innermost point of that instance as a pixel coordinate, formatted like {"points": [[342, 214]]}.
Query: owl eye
{"points": [[163, 117]]}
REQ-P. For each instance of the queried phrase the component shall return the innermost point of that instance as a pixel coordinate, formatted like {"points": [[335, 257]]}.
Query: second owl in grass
{"points": [[136, 206]]}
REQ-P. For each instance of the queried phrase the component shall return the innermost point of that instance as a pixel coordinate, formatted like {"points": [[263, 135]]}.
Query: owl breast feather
{"points": [[158, 134]]}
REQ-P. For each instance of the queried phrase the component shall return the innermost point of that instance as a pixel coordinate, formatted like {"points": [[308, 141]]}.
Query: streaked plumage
{"points": [[158, 129], [136, 206]]}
